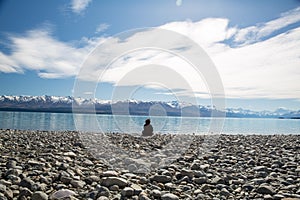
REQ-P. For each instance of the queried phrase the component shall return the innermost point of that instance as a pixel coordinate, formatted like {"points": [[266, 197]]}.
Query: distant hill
{"points": [[132, 107]]}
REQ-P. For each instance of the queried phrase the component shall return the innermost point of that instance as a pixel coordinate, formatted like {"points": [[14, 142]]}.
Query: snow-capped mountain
{"points": [[172, 108]]}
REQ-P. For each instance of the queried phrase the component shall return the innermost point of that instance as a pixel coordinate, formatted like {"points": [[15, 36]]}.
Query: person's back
{"points": [[148, 129]]}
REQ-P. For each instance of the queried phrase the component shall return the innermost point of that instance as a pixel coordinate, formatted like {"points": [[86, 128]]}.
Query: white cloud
{"points": [[178, 2], [254, 33], [38, 50], [262, 68], [102, 27], [78, 6]]}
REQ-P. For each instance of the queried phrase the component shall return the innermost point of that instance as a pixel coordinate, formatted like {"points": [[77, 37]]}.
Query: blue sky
{"points": [[253, 44]]}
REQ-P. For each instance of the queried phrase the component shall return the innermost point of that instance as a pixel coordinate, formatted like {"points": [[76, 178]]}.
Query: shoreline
{"points": [[52, 164]]}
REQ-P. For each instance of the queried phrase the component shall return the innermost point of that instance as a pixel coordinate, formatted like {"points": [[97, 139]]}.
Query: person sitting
{"points": [[148, 129]]}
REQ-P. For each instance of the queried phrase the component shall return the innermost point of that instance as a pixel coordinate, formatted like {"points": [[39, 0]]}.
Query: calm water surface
{"points": [[134, 124]]}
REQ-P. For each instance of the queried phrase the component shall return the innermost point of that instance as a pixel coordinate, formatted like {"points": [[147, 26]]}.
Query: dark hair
{"points": [[147, 122]]}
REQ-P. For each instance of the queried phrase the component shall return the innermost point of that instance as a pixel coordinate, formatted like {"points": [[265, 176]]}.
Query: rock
{"points": [[224, 192], [195, 166], [204, 167], [87, 162], [161, 178], [109, 173], [156, 194], [27, 182], [217, 180], [109, 181], [188, 173], [169, 196], [65, 179], [91, 179], [268, 197], [9, 193], [143, 180], [137, 189], [70, 154], [39, 196], [265, 189], [2, 197], [127, 192], [132, 168], [103, 191], [278, 196], [77, 184], [25, 192], [248, 186], [11, 164], [143, 196], [260, 168], [35, 163], [2, 188], [200, 180], [114, 188], [102, 198], [63, 193]]}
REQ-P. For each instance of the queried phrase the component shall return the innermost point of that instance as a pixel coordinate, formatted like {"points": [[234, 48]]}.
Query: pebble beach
{"points": [[41, 165]]}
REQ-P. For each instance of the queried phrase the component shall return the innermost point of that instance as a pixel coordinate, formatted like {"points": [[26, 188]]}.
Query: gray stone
{"points": [[161, 178], [87, 162], [132, 168], [70, 154], [137, 189], [35, 163], [2, 188], [268, 197], [103, 191], [77, 184], [265, 189], [109, 181], [169, 196], [278, 196], [224, 192], [102, 198], [65, 179], [109, 173], [25, 192], [260, 168], [200, 180], [217, 180], [127, 192], [39, 196], [27, 182], [114, 188], [63, 193], [156, 194], [143, 196], [9, 193], [143, 180], [204, 166], [195, 166], [11, 164], [91, 179], [188, 173]]}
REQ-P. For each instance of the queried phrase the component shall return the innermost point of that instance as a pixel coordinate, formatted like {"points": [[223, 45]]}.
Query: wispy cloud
{"points": [[102, 27], [38, 50], [257, 64], [78, 6], [254, 33]]}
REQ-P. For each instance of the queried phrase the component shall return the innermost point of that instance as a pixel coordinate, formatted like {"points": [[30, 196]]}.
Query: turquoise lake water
{"points": [[134, 124]]}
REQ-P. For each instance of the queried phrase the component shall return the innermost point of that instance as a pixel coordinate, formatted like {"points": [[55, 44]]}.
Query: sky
{"points": [[146, 50]]}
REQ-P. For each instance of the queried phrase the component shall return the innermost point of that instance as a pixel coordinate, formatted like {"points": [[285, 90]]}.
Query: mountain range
{"points": [[70, 104]]}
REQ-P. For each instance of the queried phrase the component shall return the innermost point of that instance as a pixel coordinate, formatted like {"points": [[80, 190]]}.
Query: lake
{"points": [[134, 124]]}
